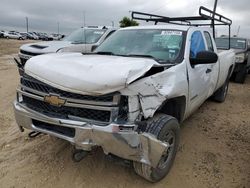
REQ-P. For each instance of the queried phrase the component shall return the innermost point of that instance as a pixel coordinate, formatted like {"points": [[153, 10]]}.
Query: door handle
{"points": [[208, 71]]}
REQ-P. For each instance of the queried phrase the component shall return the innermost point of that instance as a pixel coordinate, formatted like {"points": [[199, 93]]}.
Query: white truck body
{"points": [[110, 80], [131, 77]]}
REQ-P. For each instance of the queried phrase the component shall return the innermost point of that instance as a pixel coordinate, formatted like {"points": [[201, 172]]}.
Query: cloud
{"points": [[44, 15]]}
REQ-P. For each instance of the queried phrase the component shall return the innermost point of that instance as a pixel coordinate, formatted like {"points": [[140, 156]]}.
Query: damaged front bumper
{"points": [[120, 140]]}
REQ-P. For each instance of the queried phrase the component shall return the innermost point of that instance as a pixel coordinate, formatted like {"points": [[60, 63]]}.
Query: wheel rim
{"points": [[168, 138]]}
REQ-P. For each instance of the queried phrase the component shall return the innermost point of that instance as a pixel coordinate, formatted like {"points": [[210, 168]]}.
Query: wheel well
{"points": [[174, 107]]}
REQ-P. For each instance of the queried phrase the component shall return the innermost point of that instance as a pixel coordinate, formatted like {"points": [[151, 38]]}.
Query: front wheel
{"points": [[166, 129]]}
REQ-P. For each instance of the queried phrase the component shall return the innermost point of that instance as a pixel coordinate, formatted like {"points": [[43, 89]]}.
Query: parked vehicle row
{"points": [[30, 35], [131, 94]]}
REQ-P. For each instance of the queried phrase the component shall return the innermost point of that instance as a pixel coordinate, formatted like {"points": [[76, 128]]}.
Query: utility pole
{"points": [[58, 28], [238, 31], [83, 19], [215, 6], [27, 24]]}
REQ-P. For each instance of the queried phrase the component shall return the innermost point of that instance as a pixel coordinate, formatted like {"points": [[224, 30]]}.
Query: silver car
{"points": [[83, 40], [13, 35]]}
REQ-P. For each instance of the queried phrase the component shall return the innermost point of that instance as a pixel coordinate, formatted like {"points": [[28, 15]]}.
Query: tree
{"points": [[126, 22]]}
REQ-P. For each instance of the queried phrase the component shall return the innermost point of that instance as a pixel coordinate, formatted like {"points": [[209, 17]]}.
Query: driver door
{"points": [[199, 75]]}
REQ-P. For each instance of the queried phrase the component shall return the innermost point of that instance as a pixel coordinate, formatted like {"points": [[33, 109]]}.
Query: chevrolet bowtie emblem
{"points": [[54, 100]]}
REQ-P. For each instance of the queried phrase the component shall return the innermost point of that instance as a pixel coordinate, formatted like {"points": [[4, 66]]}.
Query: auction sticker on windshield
{"points": [[171, 33], [99, 32]]}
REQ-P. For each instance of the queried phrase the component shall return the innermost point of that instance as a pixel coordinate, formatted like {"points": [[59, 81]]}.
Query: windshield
{"points": [[162, 45], [91, 36], [235, 43]]}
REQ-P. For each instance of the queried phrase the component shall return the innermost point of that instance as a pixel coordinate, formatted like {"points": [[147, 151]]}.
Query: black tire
{"points": [[232, 78], [241, 75], [221, 94], [164, 127]]}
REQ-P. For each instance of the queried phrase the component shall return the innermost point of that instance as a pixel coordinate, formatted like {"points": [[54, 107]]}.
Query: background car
{"points": [[24, 35], [56, 36], [33, 36], [83, 40], [241, 47], [2, 34], [13, 35]]}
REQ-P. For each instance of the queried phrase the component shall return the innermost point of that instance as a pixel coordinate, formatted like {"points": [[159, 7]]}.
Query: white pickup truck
{"points": [[130, 97]]}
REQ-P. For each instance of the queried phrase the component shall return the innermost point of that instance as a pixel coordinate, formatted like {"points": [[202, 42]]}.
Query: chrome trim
{"points": [[30, 95], [116, 98], [113, 110], [33, 90], [24, 56], [69, 103]]}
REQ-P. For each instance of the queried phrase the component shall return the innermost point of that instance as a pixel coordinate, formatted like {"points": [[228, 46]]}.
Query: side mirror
{"points": [[204, 57]]}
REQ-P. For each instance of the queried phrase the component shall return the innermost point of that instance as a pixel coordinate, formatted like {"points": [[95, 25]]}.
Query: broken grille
{"points": [[42, 87], [100, 110], [66, 112]]}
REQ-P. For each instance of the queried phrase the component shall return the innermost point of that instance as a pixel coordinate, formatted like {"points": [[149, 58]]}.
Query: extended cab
{"points": [[241, 47], [82, 40], [130, 97]]}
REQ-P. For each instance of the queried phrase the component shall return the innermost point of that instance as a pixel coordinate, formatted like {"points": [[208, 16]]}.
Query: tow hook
{"points": [[78, 155], [34, 134]]}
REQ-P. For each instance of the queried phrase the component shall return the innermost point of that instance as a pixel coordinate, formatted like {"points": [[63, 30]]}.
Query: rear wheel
{"points": [[166, 128], [241, 75], [221, 94]]}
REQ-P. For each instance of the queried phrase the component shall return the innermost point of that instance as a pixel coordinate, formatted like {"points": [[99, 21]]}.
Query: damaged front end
{"points": [[104, 110], [122, 140], [108, 121]]}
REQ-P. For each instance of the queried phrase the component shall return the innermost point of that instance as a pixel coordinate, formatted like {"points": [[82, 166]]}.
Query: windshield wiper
{"points": [[146, 56], [77, 42], [105, 53], [161, 61], [141, 55]]}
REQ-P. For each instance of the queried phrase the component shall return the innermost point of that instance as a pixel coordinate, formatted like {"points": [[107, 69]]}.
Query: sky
{"points": [[47, 15]]}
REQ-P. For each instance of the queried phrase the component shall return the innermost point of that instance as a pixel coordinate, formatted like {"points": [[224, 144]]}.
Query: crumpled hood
{"points": [[87, 74]]}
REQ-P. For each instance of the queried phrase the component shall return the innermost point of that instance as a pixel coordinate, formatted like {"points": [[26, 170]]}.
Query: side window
{"points": [[197, 44], [209, 41]]}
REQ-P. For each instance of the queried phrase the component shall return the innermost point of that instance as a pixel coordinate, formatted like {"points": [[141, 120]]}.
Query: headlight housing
{"points": [[240, 58]]}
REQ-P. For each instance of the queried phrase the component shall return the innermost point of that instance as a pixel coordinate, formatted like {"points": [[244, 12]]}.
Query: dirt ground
{"points": [[214, 150]]}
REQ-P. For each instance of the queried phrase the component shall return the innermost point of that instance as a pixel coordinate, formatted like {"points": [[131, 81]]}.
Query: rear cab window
{"points": [[209, 41]]}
